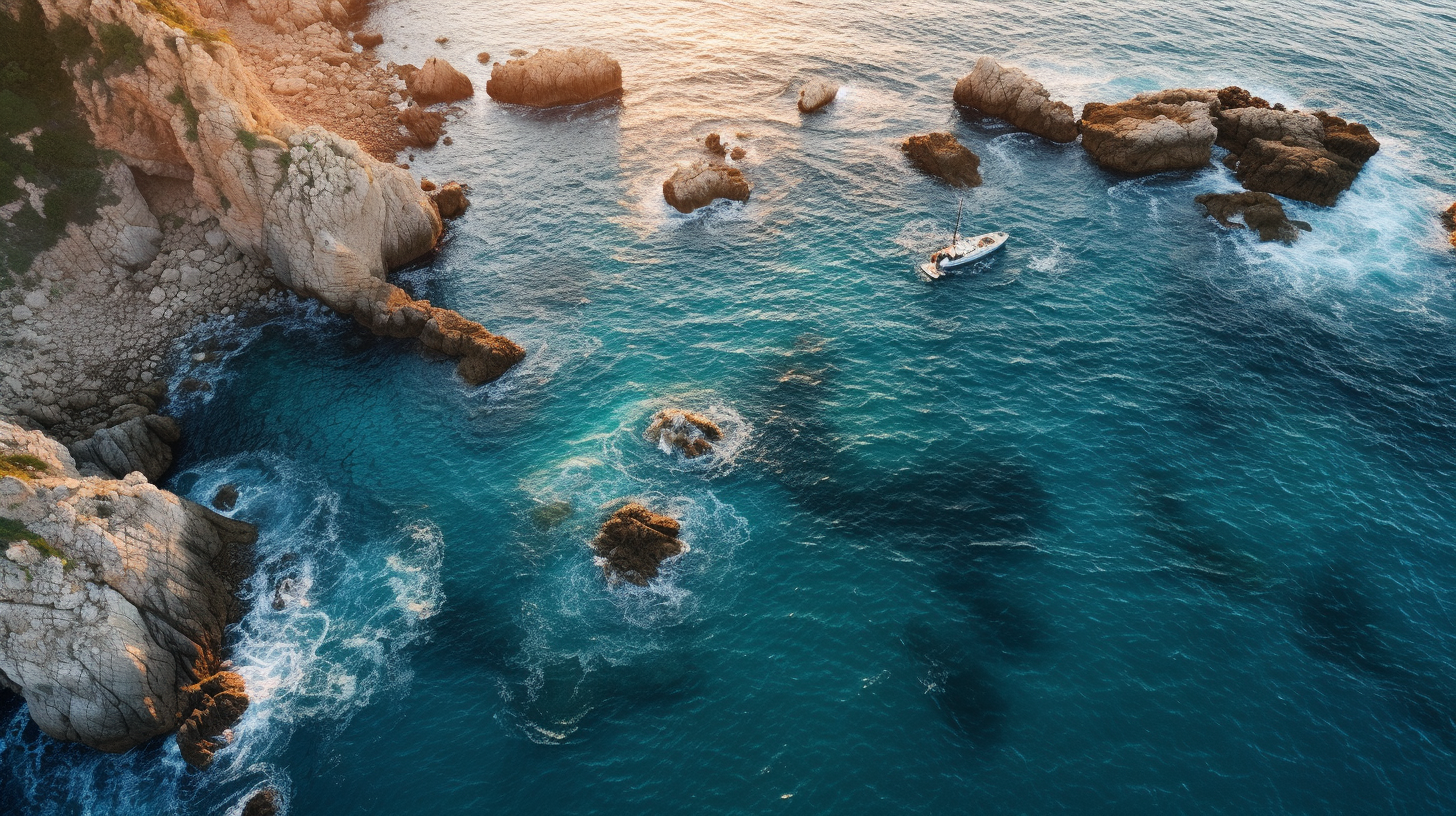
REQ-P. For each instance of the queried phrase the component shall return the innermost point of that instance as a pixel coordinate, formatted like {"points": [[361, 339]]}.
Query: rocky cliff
{"points": [[113, 599]]}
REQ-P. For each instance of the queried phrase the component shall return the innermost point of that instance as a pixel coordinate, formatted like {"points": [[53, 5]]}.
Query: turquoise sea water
{"points": [[1141, 517]]}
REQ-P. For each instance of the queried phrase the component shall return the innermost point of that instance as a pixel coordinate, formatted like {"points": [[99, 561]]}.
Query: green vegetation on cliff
{"points": [[62, 161]]}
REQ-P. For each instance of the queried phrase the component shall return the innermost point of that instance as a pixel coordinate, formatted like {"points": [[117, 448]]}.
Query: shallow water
{"points": [[1142, 517]]}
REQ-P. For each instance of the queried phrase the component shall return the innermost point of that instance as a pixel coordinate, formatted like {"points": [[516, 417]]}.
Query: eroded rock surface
{"points": [[940, 155], [1261, 212], [450, 199], [1152, 132], [691, 433], [1306, 156], [699, 184], [438, 81], [817, 93], [1449, 219], [113, 600], [483, 356], [551, 78], [142, 444], [1009, 94], [425, 126], [634, 541]]}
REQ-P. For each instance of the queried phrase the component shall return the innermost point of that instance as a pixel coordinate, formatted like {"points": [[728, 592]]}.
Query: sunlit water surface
{"points": [[1141, 517]]}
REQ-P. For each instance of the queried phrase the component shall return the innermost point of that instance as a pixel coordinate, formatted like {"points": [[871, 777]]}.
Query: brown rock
{"points": [[1261, 212], [369, 39], [483, 57], [483, 356], [940, 155], [691, 433], [1152, 132], [1009, 94], [427, 185], [1309, 157], [551, 78], [1349, 139], [1295, 171], [714, 143], [817, 93], [226, 497], [262, 803], [634, 541], [700, 184], [1449, 219], [217, 704], [438, 81], [450, 199], [1234, 97], [738, 153], [425, 126]]}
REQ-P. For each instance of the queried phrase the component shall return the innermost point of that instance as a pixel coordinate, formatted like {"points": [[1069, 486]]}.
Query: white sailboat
{"points": [[949, 260]]}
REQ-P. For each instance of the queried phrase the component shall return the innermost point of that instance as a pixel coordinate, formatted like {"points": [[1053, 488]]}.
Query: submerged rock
{"points": [[425, 126], [551, 78], [226, 497], [693, 434], [940, 155], [817, 93], [1261, 212], [700, 184], [438, 81], [551, 514], [1152, 132], [142, 444], [450, 199], [1009, 94], [1449, 219], [1306, 156], [114, 597], [217, 704], [634, 541]]}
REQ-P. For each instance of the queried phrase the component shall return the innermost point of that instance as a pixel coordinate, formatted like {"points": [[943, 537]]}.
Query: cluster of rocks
{"points": [[114, 596], [633, 543], [1009, 94], [691, 433]]}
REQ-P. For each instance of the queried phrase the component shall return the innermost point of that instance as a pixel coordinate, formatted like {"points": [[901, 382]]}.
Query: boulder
{"points": [[450, 199], [425, 126], [701, 183], [940, 155], [438, 81], [1261, 212], [114, 598], [368, 39], [1349, 139], [1306, 156], [1009, 94], [551, 78], [226, 497], [483, 57], [634, 541], [816, 93], [693, 434], [1234, 97], [714, 144], [141, 444], [1239, 126], [1449, 219], [262, 803], [1152, 132], [217, 704]]}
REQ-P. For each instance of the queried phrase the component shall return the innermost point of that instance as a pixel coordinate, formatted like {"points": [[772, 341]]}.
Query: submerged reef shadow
{"points": [[1167, 515], [964, 689]]}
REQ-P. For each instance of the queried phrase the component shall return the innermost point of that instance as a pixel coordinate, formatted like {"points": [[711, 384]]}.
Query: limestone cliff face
{"points": [[113, 598]]}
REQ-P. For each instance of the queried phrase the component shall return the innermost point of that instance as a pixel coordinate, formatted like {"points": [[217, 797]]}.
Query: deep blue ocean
{"points": [[1140, 517]]}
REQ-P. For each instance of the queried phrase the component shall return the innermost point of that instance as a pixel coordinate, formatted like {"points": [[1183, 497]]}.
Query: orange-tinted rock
{"points": [[693, 434], [714, 143], [940, 155], [1152, 132], [634, 541], [1009, 94], [217, 704], [425, 126], [1234, 97], [551, 78], [450, 199], [1449, 219], [438, 81], [700, 184], [369, 39], [817, 93], [483, 356]]}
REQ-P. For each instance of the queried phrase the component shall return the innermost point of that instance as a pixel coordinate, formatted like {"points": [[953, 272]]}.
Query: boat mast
{"points": [[955, 236]]}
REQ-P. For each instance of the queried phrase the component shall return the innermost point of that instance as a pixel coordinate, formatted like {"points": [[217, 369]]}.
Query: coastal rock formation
{"points": [[125, 233], [700, 184], [1309, 157], [438, 81], [817, 93], [262, 803], [483, 356], [550, 78], [217, 703], [450, 199], [1235, 97], [693, 434], [940, 155], [113, 599], [1152, 132], [634, 541], [142, 444], [1009, 94], [713, 143], [1261, 212], [425, 126], [1449, 219]]}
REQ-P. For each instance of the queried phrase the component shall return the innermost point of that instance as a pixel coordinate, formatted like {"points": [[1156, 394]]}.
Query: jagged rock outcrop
{"points": [[113, 599], [701, 183], [287, 16], [438, 81], [940, 155], [217, 703], [1449, 219], [1306, 156], [483, 356], [634, 541], [817, 93], [425, 126], [551, 78], [329, 218], [1235, 97], [142, 444], [1261, 212], [1152, 132], [1009, 94], [691, 433]]}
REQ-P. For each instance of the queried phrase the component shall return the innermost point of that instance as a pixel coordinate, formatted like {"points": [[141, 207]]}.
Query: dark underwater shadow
{"points": [[961, 686], [1189, 544], [1338, 623]]}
